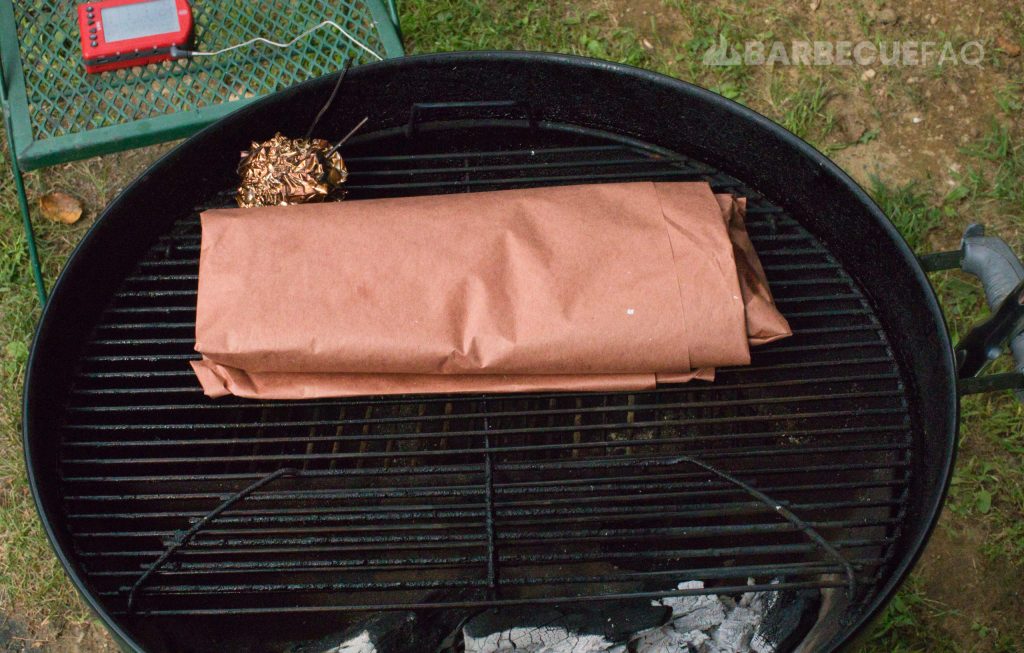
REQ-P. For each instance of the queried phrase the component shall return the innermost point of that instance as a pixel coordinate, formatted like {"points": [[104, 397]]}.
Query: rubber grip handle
{"points": [[1000, 271]]}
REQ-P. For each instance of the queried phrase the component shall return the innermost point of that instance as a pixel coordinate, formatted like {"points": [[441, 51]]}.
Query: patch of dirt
{"points": [[16, 637], [651, 19], [926, 122], [864, 161], [923, 116], [956, 574]]}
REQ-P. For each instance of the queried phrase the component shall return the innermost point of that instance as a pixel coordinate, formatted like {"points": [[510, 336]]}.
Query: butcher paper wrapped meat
{"points": [[592, 287]]}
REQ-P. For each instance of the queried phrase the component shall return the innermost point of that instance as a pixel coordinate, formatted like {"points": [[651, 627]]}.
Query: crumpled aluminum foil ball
{"points": [[285, 170]]}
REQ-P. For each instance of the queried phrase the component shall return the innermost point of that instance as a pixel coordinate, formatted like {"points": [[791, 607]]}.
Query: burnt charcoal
{"points": [[787, 619]]}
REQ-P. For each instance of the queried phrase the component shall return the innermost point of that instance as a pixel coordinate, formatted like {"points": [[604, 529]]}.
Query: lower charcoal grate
{"points": [[469, 501]]}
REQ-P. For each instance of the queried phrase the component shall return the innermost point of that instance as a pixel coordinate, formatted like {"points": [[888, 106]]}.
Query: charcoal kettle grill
{"points": [[196, 524]]}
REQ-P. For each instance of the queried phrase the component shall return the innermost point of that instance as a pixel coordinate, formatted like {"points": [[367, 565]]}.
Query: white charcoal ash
{"points": [[700, 612], [600, 628], [387, 632], [361, 643], [708, 623], [736, 630], [543, 639], [668, 638], [699, 623]]}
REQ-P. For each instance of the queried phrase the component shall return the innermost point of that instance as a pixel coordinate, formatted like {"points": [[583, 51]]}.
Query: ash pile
{"points": [[716, 624], [755, 622]]}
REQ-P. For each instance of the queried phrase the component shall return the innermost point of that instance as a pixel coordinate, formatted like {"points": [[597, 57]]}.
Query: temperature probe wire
{"points": [[178, 52]]}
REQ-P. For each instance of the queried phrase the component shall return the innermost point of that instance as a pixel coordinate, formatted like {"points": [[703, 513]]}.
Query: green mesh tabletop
{"points": [[60, 112]]}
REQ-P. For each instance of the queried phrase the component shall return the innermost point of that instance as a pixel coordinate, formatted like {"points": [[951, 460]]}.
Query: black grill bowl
{"points": [[467, 501]]}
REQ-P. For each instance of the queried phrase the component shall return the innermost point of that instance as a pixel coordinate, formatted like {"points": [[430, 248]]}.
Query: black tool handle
{"points": [[1000, 271]]}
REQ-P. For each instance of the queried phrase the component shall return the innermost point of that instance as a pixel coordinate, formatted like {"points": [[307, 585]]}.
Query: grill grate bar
{"points": [[716, 437], [731, 552], [340, 566], [772, 350], [719, 387], [724, 589], [709, 454], [470, 468], [557, 429], [791, 569], [512, 489], [227, 537], [510, 514], [490, 515], [851, 378], [879, 394], [426, 399]]}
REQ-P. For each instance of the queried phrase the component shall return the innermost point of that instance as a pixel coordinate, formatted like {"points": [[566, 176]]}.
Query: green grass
{"points": [[804, 110], [987, 496], [989, 479], [900, 628], [909, 208], [30, 576], [448, 25]]}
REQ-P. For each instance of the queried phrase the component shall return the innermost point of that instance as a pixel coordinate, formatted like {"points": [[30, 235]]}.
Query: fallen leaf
{"points": [[1008, 46], [60, 207], [815, 4]]}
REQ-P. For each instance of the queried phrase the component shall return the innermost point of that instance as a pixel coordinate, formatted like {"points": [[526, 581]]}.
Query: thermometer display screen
{"points": [[133, 21]]}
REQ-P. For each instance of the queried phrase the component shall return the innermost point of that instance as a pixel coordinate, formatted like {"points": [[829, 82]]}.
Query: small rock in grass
{"points": [[60, 207], [1007, 45], [886, 16]]}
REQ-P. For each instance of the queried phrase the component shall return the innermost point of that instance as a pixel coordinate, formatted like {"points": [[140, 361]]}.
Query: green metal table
{"points": [[55, 112]]}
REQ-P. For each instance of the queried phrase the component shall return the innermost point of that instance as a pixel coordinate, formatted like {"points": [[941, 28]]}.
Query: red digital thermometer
{"points": [[125, 33]]}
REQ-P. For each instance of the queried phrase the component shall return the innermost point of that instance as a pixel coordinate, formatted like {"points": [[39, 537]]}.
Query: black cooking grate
{"points": [[470, 500]]}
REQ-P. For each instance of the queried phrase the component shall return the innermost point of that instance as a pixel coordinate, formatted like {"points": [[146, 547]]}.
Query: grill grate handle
{"points": [[499, 107], [1001, 273]]}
